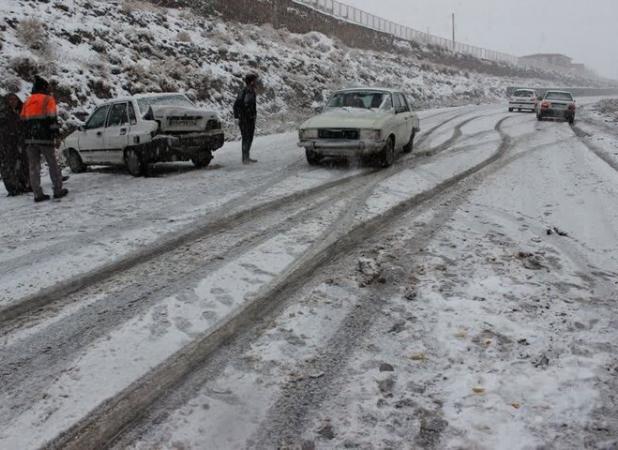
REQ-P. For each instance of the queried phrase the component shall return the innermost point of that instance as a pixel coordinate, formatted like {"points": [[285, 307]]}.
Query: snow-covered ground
{"points": [[437, 306]]}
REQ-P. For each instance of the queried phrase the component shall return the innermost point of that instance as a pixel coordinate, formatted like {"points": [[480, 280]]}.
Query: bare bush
{"points": [[24, 67], [32, 33], [9, 84], [183, 36], [132, 6]]}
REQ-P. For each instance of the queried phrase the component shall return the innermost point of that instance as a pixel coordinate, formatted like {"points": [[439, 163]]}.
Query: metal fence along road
{"points": [[365, 19]]}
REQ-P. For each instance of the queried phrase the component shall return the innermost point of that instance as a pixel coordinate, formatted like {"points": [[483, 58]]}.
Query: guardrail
{"points": [[358, 16]]}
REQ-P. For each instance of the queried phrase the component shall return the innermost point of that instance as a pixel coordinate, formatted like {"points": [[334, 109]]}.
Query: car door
{"points": [[404, 127], [117, 133], [408, 117], [90, 139]]}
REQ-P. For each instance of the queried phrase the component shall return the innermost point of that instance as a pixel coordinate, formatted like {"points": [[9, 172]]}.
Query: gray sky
{"points": [[586, 30]]}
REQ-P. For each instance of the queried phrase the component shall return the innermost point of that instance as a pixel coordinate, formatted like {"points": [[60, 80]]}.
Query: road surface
{"points": [[463, 298]]}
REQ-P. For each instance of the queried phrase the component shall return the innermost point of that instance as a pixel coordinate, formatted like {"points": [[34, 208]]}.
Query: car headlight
{"points": [[370, 135], [309, 133]]}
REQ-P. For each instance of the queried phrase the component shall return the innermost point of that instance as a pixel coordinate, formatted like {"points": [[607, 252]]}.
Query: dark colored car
{"points": [[557, 105]]}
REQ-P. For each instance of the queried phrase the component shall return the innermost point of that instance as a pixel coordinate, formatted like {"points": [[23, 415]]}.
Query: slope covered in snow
{"points": [[95, 50]]}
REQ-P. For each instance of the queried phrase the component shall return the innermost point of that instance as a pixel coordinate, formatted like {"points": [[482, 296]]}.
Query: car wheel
{"points": [[510, 109], [312, 157], [410, 145], [202, 160], [76, 164], [134, 162], [388, 154]]}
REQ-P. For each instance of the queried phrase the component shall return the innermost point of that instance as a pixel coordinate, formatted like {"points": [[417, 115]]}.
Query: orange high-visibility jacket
{"points": [[39, 106], [40, 117]]}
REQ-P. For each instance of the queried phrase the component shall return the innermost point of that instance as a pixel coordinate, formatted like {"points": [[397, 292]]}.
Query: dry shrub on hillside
{"points": [[131, 6], [32, 33], [183, 36], [9, 83]]}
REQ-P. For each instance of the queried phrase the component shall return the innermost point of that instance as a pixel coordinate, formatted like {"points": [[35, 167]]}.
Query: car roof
{"points": [[559, 92], [524, 89], [375, 89]]}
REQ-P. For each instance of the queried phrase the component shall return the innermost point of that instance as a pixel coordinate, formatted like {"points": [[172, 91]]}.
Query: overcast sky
{"points": [[586, 30]]}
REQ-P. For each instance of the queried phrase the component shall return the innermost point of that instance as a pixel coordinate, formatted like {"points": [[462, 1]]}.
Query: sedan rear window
{"points": [[523, 94], [559, 96], [166, 100]]}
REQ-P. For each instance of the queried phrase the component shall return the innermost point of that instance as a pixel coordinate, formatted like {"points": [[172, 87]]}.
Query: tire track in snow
{"points": [[113, 416], [77, 283]]}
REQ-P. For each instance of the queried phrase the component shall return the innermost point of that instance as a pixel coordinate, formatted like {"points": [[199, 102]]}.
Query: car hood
{"points": [[347, 118]]}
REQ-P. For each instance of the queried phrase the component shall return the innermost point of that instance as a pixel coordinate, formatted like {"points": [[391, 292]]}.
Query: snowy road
{"points": [[464, 298]]}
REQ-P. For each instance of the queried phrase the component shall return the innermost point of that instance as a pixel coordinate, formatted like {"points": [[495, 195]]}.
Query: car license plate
{"points": [[185, 123]]}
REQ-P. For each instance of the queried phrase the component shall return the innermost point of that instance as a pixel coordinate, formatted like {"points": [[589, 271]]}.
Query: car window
{"points": [[559, 96], [404, 103], [166, 100], [132, 116], [397, 102], [97, 120], [118, 115]]}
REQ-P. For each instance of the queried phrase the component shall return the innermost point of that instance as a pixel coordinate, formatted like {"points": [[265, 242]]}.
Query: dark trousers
{"points": [[247, 130], [34, 158], [14, 167]]}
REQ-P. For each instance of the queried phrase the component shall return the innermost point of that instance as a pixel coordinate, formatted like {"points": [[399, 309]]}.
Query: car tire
{"points": [[387, 157], [134, 162], [202, 160], [313, 158], [510, 109], [76, 164], [409, 147]]}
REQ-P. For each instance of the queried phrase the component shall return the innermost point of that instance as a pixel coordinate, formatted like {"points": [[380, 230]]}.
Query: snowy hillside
{"points": [[95, 50]]}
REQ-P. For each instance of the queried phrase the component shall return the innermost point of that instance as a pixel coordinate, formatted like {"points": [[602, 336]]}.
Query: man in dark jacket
{"points": [[41, 129], [13, 160], [245, 111]]}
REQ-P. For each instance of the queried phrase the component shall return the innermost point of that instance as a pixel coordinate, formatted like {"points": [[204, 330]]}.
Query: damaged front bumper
{"points": [[168, 148]]}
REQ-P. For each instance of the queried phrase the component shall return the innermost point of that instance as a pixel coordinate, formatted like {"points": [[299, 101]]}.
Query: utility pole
{"points": [[453, 31]]}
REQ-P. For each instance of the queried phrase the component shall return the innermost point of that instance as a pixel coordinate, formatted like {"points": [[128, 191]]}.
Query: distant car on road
{"points": [[142, 130], [557, 105], [523, 99], [365, 123]]}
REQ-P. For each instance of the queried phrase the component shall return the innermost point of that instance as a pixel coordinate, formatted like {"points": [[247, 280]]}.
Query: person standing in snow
{"points": [[13, 160], [245, 112], [41, 129]]}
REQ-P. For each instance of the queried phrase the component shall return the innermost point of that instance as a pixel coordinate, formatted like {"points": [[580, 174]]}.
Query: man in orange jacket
{"points": [[41, 129]]}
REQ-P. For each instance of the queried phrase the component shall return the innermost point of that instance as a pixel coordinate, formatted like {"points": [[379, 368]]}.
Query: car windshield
{"points": [[523, 94], [167, 100], [559, 96], [361, 100]]}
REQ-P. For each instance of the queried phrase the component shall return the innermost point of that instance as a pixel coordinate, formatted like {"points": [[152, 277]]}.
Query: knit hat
{"points": [[40, 85]]}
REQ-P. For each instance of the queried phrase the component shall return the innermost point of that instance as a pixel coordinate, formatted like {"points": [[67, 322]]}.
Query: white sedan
{"points": [[361, 123], [142, 130], [523, 99]]}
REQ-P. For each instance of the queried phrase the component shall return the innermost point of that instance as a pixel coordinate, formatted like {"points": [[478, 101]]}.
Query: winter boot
{"points": [[61, 193]]}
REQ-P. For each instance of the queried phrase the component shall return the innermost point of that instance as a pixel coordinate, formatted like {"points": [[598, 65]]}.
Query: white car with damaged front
{"points": [[367, 124], [142, 130]]}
